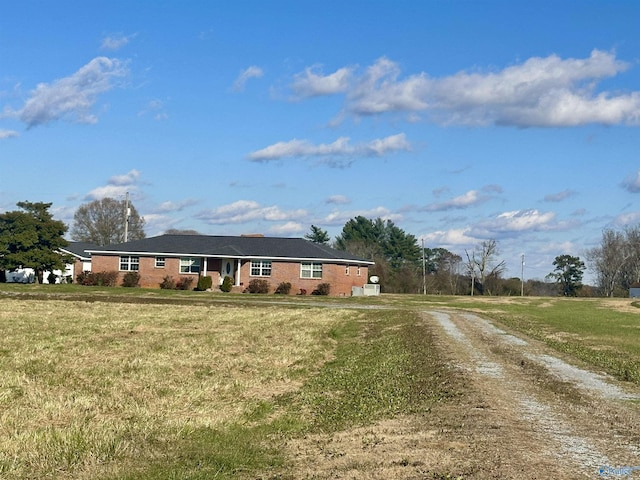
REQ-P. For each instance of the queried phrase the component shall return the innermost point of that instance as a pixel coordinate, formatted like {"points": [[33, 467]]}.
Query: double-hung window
{"points": [[160, 262], [260, 268], [129, 263], [311, 270], [189, 265]]}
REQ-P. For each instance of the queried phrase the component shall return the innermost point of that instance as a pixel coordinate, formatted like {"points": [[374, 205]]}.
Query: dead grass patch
{"points": [[90, 389]]}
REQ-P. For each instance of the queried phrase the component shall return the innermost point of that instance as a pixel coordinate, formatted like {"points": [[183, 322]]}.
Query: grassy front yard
{"points": [[139, 390]]}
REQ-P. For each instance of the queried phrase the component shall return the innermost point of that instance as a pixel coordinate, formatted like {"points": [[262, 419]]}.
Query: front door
{"points": [[227, 268]]}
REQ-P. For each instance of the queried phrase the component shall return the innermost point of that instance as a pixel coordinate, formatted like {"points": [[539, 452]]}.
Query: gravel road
{"points": [[525, 413], [551, 418]]}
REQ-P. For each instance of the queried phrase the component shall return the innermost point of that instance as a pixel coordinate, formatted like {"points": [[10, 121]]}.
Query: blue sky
{"points": [[460, 121]]}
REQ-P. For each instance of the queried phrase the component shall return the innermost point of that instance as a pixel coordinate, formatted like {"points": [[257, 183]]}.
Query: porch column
{"points": [[237, 272]]}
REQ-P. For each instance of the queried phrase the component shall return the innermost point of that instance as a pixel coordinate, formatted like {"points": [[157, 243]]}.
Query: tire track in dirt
{"points": [[558, 416]]}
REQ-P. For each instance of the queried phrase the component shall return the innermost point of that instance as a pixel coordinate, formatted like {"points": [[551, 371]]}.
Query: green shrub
{"points": [[131, 279], [106, 279], [204, 283], [258, 285], [168, 283], [100, 279], [284, 288], [227, 284], [184, 283], [322, 289]]}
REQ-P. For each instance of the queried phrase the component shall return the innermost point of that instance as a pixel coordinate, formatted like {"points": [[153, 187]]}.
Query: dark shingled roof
{"points": [[228, 246], [79, 249]]}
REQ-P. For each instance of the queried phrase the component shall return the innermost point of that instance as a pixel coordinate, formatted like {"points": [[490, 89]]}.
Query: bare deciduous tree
{"points": [[608, 261], [103, 222], [483, 265], [616, 261]]}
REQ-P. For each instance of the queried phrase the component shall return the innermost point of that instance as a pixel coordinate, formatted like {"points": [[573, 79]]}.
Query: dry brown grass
{"points": [[87, 389]]}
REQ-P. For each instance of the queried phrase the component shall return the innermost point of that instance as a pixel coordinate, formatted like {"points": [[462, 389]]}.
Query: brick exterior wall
{"points": [[77, 268], [338, 276], [333, 274]]}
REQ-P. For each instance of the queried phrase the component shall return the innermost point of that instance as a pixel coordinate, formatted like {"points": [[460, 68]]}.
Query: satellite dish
{"points": [[374, 279]]}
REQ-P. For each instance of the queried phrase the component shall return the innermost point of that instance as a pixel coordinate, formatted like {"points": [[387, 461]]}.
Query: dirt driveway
{"points": [[527, 414]]}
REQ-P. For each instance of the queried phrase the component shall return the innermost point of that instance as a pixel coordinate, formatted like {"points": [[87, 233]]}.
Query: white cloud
{"points": [[116, 41], [111, 191], [379, 90], [288, 228], [71, 97], [244, 211], [492, 189], [125, 180], [555, 247], [516, 221], [312, 84], [338, 200], [626, 219], [157, 224], [580, 212], [540, 92], [469, 199], [117, 186], [340, 148], [169, 206], [632, 182], [559, 196], [460, 236], [245, 75], [340, 218], [4, 134]]}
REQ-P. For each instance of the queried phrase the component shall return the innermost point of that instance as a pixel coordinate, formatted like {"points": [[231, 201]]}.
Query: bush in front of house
{"points": [[98, 279], [184, 283], [258, 285], [168, 283], [227, 284], [322, 289], [83, 278], [283, 288], [131, 279], [204, 283]]}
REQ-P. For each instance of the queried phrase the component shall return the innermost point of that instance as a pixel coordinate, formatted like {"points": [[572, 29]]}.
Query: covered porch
{"points": [[218, 268]]}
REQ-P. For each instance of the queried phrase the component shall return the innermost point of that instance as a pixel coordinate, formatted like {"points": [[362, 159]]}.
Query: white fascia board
{"points": [[81, 257], [308, 259]]}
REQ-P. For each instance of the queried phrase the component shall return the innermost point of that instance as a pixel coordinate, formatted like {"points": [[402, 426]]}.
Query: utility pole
{"points": [[127, 214], [522, 277], [424, 271]]}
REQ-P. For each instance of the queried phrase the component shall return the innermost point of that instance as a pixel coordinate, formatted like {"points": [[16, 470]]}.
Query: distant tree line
{"points": [[405, 267]]}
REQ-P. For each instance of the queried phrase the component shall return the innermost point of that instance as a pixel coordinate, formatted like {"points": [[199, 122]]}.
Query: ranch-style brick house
{"points": [[300, 262]]}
